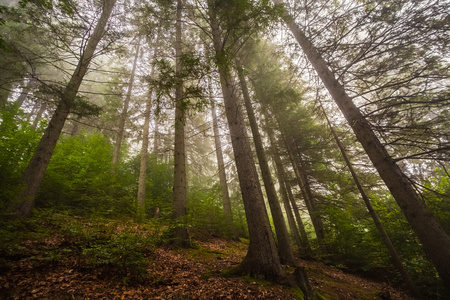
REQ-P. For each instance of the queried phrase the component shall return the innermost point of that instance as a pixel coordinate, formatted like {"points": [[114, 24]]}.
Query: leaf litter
{"points": [[171, 274]]}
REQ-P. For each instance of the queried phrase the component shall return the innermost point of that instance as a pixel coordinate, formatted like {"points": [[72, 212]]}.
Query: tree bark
{"points": [[384, 236], [38, 115], [302, 241], [181, 237], [156, 138], [301, 226], [126, 103], [34, 173], [140, 209], [284, 246], [32, 83], [222, 175], [308, 198], [431, 234], [262, 259]]}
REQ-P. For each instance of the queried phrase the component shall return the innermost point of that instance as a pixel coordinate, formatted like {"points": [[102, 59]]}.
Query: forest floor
{"points": [[67, 264]]}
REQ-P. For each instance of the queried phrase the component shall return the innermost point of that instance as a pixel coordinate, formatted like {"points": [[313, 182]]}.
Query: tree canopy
{"points": [[314, 129]]}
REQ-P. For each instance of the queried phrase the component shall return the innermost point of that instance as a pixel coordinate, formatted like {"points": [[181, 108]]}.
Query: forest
{"points": [[224, 149]]}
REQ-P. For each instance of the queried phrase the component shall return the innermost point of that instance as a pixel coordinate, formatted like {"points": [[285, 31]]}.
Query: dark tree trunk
{"points": [[431, 234], [302, 241], [262, 259], [222, 175], [180, 184], [140, 209], [308, 198], [301, 226], [284, 246], [35, 171], [384, 236]]}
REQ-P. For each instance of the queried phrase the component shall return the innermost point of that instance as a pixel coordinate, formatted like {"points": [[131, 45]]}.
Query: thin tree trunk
{"points": [[302, 241], [156, 138], [126, 103], [38, 116], [180, 184], [262, 259], [385, 237], [222, 175], [308, 197], [301, 226], [284, 246], [34, 174], [431, 234], [32, 83], [140, 209]]}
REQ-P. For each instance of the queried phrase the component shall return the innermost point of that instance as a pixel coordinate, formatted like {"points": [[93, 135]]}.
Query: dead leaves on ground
{"points": [[173, 274]]}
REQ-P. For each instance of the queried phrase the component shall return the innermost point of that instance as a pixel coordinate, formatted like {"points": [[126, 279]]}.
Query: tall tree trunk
{"points": [[156, 138], [140, 208], [34, 173], [384, 236], [38, 115], [284, 246], [302, 241], [307, 197], [431, 234], [126, 103], [180, 184], [262, 259], [301, 226], [222, 175]]}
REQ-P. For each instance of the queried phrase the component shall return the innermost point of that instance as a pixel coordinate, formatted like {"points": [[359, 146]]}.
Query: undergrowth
{"points": [[121, 249]]}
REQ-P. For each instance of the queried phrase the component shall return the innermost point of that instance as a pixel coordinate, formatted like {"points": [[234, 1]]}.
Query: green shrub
{"points": [[125, 254]]}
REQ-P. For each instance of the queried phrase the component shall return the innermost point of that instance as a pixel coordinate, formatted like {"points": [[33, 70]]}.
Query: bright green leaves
{"points": [[17, 141], [79, 177]]}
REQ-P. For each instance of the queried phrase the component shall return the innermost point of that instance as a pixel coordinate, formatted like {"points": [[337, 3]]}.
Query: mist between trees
{"points": [[315, 129]]}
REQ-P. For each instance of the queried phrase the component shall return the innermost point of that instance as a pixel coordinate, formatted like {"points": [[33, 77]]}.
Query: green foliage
{"points": [[80, 177], [159, 185], [79, 106], [193, 69], [124, 254], [437, 196], [354, 242], [64, 5], [115, 248], [205, 210], [412, 254], [17, 141], [243, 18]]}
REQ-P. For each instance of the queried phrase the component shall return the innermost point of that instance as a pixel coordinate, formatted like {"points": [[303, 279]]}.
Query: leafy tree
{"points": [[284, 247], [17, 142], [262, 258], [78, 178], [427, 228], [32, 178]]}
